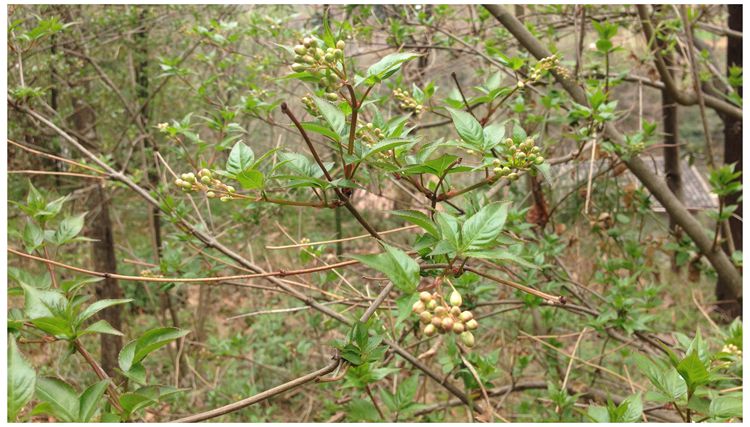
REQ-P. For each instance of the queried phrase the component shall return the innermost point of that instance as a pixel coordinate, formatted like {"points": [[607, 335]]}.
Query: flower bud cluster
{"points": [[205, 182], [550, 63], [732, 349], [440, 317], [520, 156], [310, 105], [320, 63], [406, 102]]}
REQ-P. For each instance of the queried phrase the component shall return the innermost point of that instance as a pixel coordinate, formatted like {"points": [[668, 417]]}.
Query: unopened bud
{"points": [[466, 316], [455, 299], [340, 44], [447, 324], [458, 327], [418, 307], [430, 330], [300, 50], [472, 324], [425, 317], [425, 296], [468, 339]]}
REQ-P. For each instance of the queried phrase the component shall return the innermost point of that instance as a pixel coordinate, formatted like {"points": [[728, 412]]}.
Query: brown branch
{"points": [[236, 406], [718, 259]]}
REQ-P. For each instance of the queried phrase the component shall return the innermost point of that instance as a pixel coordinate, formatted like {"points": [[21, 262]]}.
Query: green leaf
{"points": [[500, 254], [57, 326], [399, 267], [100, 327], [387, 66], [251, 179], [61, 397], [633, 409], [468, 128], [21, 380], [603, 45], [69, 229], [240, 158], [33, 236], [138, 349], [449, 230], [483, 227], [89, 400], [99, 306], [599, 414], [726, 407], [420, 219], [693, 371], [41, 303], [361, 410], [332, 114]]}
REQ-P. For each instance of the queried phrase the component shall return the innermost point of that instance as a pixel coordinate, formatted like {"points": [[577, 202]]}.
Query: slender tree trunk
{"points": [[103, 247], [671, 151], [103, 257], [733, 154]]}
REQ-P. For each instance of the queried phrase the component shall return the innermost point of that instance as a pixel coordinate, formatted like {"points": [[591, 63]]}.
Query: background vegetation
{"points": [[211, 219]]}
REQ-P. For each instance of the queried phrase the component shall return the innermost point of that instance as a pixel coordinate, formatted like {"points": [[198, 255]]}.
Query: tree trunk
{"points": [[103, 247], [671, 151], [103, 257], [733, 154]]}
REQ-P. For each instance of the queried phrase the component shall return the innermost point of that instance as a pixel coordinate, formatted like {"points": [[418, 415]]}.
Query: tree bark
{"points": [[103, 247], [103, 257], [732, 154]]}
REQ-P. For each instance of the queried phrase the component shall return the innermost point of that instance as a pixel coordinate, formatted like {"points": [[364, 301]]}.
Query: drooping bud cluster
{"points": [[205, 182], [322, 64], [519, 157], [407, 102], [441, 317]]}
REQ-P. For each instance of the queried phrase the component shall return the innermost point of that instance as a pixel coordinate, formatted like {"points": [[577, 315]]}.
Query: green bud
{"points": [[225, 198], [539, 160], [298, 68], [508, 142], [307, 42], [447, 324], [210, 194], [340, 45], [468, 339], [431, 304], [425, 317], [455, 299], [455, 311], [458, 327], [338, 53], [512, 176], [418, 307], [430, 330], [206, 179], [332, 96], [309, 59], [520, 84], [230, 189], [466, 316], [498, 170], [329, 57], [472, 324], [300, 49]]}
